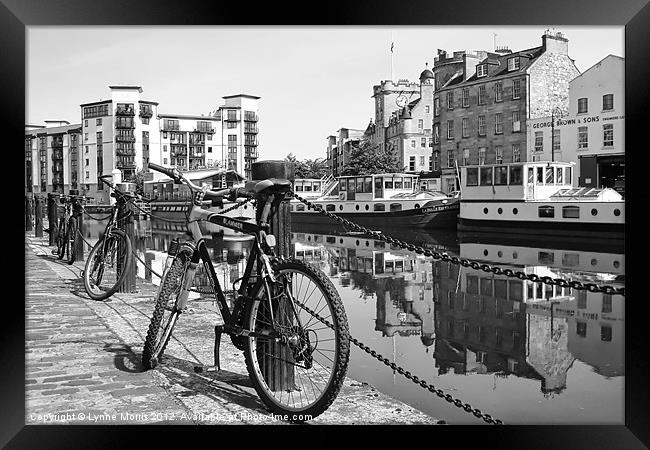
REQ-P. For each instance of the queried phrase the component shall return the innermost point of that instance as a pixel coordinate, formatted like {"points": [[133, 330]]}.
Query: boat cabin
{"points": [[515, 181], [307, 186], [377, 186]]}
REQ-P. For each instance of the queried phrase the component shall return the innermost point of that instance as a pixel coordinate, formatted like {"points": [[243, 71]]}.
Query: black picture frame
{"points": [[16, 15]]}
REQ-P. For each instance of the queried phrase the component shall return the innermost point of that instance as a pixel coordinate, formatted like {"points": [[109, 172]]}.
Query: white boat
{"points": [[376, 201], [537, 198]]}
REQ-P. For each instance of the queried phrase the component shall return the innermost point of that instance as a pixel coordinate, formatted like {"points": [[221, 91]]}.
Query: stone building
{"points": [[483, 101], [339, 147]]}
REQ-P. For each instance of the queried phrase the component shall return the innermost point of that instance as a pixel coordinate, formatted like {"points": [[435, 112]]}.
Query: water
{"points": [[525, 353]]}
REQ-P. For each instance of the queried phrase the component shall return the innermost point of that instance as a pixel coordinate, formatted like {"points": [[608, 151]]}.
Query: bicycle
{"points": [[110, 258], [67, 227], [296, 362]]}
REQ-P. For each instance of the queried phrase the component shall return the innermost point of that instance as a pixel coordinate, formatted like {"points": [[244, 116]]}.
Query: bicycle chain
{"points": [[561, 282], [414, 378]]}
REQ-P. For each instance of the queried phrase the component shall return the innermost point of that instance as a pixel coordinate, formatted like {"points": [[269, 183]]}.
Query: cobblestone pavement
{"points": [[83, 362]]}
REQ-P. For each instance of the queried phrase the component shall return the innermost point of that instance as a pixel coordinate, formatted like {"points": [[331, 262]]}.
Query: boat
{"points": [[377, 201], [537, 198]]}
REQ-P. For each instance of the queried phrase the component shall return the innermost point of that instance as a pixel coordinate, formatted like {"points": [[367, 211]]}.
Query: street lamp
{"points": [[554, 112]]}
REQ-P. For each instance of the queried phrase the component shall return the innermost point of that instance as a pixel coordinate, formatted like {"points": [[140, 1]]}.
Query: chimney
{"points": [[555, 42]]}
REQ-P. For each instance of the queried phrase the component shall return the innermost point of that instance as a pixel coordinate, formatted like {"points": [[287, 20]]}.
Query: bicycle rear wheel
{"points": [[61, 238], [301, 375], [165, 313], [106, 266], [70, 239]]}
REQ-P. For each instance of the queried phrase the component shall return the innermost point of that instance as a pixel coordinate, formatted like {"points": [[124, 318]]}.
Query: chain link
{"points": [[414, 378], [591, 287]]}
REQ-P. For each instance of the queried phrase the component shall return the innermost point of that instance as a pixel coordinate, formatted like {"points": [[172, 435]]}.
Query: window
{"points": [[583, 137], [395, 206], [450, 100], [608, 135], [607, 303], [556, 140], [164, 135], [568, 175], [539, 141], [550, 173], [486, 176], [98, 121], [481, 70], [498, 123], [546, 211], [513, 64], [330, 207], [581, 329], [516, 153], [571, 212], [498, 92], [481, 95], [465, 97], [423, 142], [472, 177], [465, 156], [481, 155], [164, 147], [516, 89], [501, 175], [87, 174], [450, 158], [209, 149], [481, 125], [465, 127], [379, 207], [608, 102], [413, 143], [421, 160], [450, 129], [516, 125], [582, 105], [165, 161], [412, 163], [515, 175], [498, 154], [86, 123], [427, 109], [87, 149], [605, 333], [558, 175], [85, 136], [436, 133], [145, 121], [420, 124], [436, 106]]}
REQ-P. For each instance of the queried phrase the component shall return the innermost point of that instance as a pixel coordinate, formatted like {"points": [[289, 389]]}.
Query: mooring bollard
{"points": [[278, 373], [29, 204], [53, 216], [38, 216], [126, 223]]}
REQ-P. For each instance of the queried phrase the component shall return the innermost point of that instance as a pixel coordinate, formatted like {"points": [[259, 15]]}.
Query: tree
{"points": [[138, 179], [366, 160], [308, 168]]}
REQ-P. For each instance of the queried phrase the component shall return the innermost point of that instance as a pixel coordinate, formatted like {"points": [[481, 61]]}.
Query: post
{"points": [[38, 216], [279, 375], [77, 212], [29, 204], [126, 224], [53, 216]]}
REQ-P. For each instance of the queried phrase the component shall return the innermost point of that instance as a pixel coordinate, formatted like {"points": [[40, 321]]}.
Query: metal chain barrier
{"points": [[561, 282], [414, 378], [95, 218]]}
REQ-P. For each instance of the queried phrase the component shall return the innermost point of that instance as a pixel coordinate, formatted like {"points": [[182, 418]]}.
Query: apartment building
{"points": [[339, 147]]}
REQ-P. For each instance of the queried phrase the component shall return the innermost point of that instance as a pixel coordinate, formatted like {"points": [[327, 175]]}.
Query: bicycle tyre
{"points": [[159, 333], [256, 354], [97, 262], [70, 239], [60, 238]]}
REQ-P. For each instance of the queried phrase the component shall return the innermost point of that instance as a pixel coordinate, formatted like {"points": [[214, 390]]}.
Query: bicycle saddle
{"points": [[259, 186]]}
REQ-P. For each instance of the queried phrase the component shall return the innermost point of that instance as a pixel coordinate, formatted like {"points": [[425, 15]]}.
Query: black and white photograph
{"points": [[295, 225]]}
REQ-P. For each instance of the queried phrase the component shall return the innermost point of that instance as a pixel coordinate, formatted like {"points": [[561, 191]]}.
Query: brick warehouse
{"points": [[483, 100]]}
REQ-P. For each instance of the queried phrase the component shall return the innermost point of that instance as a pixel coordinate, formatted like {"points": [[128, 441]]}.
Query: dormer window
{"points": [[513, 64], [481, 70]]}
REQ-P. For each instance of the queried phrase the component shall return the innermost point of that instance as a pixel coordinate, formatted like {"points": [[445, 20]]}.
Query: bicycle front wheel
{"points": [[61, 239], [300, 374], [165, 313], [107, 265], [70, 239]]}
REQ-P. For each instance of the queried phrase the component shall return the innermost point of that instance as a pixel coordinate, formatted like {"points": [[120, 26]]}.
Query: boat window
{"points": [[307, 188], [546, 211], [343, 185], [290, 207], [571, 212], [378, 183], [501, 175], [298, 188], [558, 175], [351, 185], [515, 175], [531, 175], [300, 207], [486, 176], [395, 206], [540, 175], [330, 207], [380, 207], [388, 184], [568, 175], [549, 175], [407, 183], [472, 176], [360, 185], [367, 185], [398, 182], [330, 240], [317, 186]]}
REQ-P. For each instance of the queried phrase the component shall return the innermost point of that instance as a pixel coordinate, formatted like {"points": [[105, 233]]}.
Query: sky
{"points": [[311, 80]]}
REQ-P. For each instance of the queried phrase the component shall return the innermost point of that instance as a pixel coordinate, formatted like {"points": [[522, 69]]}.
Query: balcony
{"points": [[124, 124], [251, 117], [204, 130], [124, 111], [146, 112], [197, 155], [248, 129], [125, 152], [171, 126], [122, 138]]}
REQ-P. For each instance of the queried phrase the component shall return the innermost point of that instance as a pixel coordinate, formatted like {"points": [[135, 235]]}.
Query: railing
{"points": [[124, 111], [146, 112], [120, 138]]}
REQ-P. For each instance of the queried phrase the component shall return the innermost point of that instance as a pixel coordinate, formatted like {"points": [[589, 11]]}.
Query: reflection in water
{"points": [[464, 330]]}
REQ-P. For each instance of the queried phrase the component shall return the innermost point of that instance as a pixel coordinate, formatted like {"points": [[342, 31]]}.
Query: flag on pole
{"points": [[391, 46]]}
